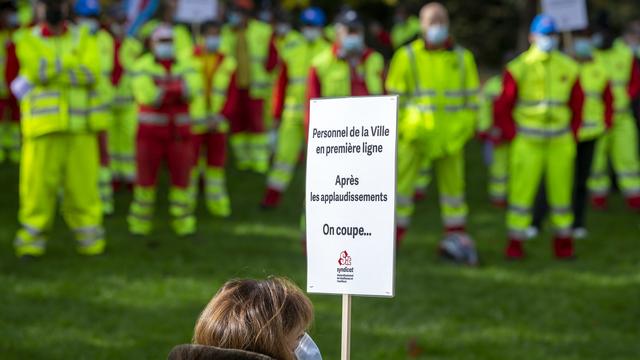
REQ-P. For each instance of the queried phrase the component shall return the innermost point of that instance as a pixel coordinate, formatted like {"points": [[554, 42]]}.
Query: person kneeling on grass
{"points": [[253, 320]]}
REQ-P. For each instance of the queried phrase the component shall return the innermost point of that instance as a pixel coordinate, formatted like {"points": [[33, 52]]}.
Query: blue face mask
{"points": [[311, 33], [307, 349], [235, 19], [546, 43], [212, 43], [583, 48], [352, 43], [164, 51], [437, 34], [598, 40]]}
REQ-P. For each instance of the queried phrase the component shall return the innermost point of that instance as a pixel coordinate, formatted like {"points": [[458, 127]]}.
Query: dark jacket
{"points": [[202, 352]]}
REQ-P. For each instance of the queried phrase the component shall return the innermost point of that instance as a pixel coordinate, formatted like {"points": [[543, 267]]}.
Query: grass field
{"points": [[139, 300]]}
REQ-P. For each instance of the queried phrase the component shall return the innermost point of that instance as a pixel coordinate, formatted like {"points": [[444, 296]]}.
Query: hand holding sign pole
{"points": [[350, 199]]}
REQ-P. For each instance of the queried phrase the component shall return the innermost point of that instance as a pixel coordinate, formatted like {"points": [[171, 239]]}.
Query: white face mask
{"points": [[307, 349], [352, 43], [311, 33], [437, 34], [546, 43], [283, 29], [91, 24], [212, 43], [164, 51]]}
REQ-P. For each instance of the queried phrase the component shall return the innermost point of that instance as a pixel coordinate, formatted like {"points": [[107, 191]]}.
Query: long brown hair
{"points": [[255, 315]]}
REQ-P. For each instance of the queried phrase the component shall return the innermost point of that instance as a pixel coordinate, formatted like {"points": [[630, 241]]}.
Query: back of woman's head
{"points": [[263, 316]]}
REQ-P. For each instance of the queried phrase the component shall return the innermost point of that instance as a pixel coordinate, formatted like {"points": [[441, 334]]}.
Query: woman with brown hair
{"points": [[253, 320]]}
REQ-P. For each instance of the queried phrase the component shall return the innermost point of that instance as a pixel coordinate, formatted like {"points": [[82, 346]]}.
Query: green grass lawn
{"points": [[138, 300]]}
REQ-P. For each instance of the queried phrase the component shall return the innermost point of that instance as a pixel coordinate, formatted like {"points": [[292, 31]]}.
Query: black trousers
{"points": [[584, 158]]}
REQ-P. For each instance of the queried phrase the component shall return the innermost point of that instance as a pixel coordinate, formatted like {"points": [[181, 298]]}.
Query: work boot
{"points": [[272, 198], [599, 202], [514, 250], [563, 247]]}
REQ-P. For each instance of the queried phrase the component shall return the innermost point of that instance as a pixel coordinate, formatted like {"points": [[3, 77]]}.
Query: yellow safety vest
{"points": [[438, 95], [130, 51], [490, 91], [101, 97], [61, 71], [594, 80], [258, 39], [545, 82], [618, 62], [297, 55], [335, 73], [204, 117]]}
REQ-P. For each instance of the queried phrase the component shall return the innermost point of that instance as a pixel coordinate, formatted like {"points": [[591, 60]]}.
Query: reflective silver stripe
{"points": [[276, 184], [450, 221], [404, 201], [424, 92], [200, 121], [593, 94], [31, 230], [283, 167], [73, 78], [423, 108], [622, 111], [260, 85], [628, 174], [79, 112], [564, 232], [403, 221], [183, 119], [123, 99], [42, 70], [46, 95], [218, 91], [546, 102], [141, 217], [517, 234], [561, 210], [499, 179], [258, 58], [542, 133], [453, 201], [179, 204], [58, 65], [519, 210], [88, 75], [155, 119], [299, 107], [590, 124], [45, 110], [631, 192], [215, 182], [216, 196], [454, 108], [619, 83], [143, 204], [36, 243], [599, 174], [460, 93], [298, 80], [101, 108]]}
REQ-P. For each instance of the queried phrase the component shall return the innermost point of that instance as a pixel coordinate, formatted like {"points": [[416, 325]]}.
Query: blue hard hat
{"points": [[87, 7], [313, 16], [543, 24]]}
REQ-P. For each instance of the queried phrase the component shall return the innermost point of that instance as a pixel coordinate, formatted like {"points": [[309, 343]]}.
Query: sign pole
{"points": [[346, 327]]}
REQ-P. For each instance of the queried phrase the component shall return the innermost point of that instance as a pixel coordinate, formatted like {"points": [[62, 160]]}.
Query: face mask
{"points": [[352, 43], [117, 29], [597, 40], [91, 24], [437, 34], [164, 51], [235, 19], [54, 15], [583, 48], [265, 16], [546, 43], [12, 20], [311, 33], [307, 349], [212, 43], [283, 29]]}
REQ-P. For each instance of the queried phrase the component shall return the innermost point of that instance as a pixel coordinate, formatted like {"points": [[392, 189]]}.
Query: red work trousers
{"points": [[213, 145], [249, 116], [158, 143]]}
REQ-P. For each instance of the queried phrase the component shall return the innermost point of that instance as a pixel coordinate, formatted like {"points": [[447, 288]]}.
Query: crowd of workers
{"points": [[100, 110]]}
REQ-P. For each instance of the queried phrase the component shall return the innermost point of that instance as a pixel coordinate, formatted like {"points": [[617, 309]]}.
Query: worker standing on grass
{"points": [[437, 81], [621, 143], [291, 87], [163, 86], [540, 112], [211, 113], [101, 97], [597, 118], [252, 44], [59, 67]]}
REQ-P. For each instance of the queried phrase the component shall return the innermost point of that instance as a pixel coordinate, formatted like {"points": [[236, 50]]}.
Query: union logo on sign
{"points": [[345, 259]]}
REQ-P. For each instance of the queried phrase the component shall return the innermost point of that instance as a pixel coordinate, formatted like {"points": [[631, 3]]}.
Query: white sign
{"points": [[197, 11], [569, 14], [350, 195]]}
